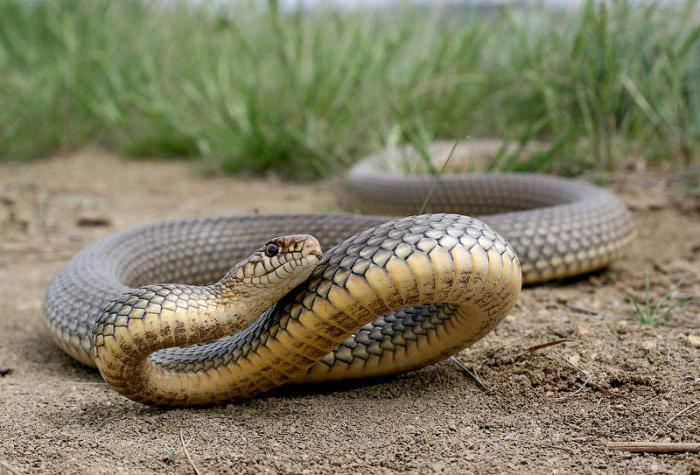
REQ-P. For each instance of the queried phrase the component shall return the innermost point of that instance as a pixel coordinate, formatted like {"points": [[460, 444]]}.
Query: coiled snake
{"points": [[387, 296]]}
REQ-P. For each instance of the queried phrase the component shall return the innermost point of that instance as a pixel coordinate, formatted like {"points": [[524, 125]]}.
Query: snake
{"points": [[208, 310]]}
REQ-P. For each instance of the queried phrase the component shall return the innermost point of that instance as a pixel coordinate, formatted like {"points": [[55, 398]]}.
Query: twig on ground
{"points": [[697, 403], [583, 310], [542, 346], [471, 373], [187, 454], [654, 447], [9, 468]]}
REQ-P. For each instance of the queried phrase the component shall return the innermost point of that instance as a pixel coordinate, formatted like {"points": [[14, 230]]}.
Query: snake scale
{"points": [[253, 303]]}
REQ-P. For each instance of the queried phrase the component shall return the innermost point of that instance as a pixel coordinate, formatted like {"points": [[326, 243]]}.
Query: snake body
{"points": [[388, 295]]}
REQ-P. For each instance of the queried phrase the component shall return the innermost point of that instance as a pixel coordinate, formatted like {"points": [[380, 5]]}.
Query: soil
{"points": [[604, 377]]}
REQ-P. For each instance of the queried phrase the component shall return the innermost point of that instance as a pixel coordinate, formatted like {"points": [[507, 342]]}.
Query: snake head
{"points": [[277, 267]]}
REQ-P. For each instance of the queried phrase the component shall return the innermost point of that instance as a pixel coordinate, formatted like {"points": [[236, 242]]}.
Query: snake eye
{"points": [[271, 249]]}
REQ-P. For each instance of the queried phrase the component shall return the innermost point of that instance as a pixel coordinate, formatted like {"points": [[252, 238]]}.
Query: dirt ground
{"points": [[540, 409]]}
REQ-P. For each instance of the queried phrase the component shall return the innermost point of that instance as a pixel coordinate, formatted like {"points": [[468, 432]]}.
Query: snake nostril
{"points": [[312, 247], [316, 251]]}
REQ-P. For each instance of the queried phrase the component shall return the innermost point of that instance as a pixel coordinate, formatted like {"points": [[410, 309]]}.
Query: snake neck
{"points": [[151, 318]]}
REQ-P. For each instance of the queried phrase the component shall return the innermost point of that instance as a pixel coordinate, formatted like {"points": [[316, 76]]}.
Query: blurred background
{"points": [[119, 113], [306, 87]]}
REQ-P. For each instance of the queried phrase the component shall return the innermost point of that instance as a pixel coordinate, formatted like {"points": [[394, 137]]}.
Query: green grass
{"points": [[254, 89], [653, 312], [170, 454]]}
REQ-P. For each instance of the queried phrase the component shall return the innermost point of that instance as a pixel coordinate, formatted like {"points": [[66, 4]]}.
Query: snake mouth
{"points": [[313, 258]]}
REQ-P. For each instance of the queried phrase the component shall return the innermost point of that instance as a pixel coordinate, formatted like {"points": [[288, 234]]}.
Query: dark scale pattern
{"points": [[391, 331], [135, 304]]}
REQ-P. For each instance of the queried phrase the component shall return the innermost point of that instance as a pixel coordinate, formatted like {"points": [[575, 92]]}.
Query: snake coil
{"points": [[388, 295]]}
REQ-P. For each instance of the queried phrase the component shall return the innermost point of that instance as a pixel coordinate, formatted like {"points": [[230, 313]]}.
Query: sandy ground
{"points": [[549, 409]]}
